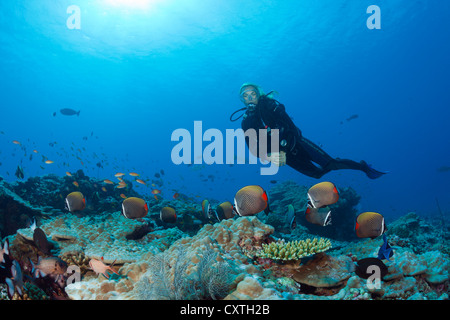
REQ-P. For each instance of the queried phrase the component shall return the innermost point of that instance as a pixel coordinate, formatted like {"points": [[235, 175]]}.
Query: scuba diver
{"points": [[262, 111]]}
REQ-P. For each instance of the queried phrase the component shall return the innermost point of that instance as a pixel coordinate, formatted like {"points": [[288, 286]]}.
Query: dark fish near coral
{"points": [[251, 200], [69, 112], [16, 280], [385, 251], [75, 201], [206, 207], [370, 225], [319, 216], [208, 211], [363, 271], [134, 208], [291, 217], [168, 215], [225, 210], [19, 172], [4, 251], [41, 241], [323, 194]]}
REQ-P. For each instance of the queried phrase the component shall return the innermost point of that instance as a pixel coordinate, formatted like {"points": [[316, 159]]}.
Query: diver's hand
{"points": [[278, 158]]}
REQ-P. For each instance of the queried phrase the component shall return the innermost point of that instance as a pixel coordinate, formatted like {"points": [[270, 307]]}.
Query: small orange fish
{"points": [[134, 174], [108, 181], [104, 189], [176, 195], [156, 198], [123, 196], [121, 186], [119, 174], [16, 142], [140, 181], [35, 151], [68, 173], [48, 161], [75, 184], [99, 267], [156, 191]]}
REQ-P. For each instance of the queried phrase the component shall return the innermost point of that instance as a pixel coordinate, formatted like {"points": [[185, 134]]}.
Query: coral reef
{"points": [[255, 257], [418, 234]]}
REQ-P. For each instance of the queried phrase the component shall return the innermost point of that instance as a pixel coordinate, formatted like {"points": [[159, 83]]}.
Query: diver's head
{"points": [[250, 94]]}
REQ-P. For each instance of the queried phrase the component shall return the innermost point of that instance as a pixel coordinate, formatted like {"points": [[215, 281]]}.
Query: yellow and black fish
{"points": [[319, 216], [206, 207], [370, 225], [323, 194], [225, 210], [251, 200], [19, 172], [134, 208], [75, 201], [168, 215]]}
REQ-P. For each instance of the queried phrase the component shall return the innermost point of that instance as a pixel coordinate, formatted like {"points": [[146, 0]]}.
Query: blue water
{"points": [[138, 70]]}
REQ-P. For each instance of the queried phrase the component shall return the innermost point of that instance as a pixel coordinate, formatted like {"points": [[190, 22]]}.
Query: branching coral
{"points": [[293, 250]]}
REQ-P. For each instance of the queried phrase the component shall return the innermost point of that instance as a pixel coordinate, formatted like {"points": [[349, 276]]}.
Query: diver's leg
{"points": [[302, 164], [338, 164], [315, 153], [328, 163]]}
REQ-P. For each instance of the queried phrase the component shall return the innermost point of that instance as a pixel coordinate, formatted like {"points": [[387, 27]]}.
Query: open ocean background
{"points": [[138, 70]]}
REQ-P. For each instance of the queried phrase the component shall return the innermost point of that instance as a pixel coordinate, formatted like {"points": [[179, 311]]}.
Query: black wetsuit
{"points": [[301, 154]]}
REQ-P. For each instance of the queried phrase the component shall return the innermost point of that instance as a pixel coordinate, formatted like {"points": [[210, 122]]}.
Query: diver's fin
{"points": [[371, 172]]}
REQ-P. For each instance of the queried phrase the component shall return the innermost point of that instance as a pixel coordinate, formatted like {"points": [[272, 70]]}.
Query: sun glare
{"points": [[133, 4]]}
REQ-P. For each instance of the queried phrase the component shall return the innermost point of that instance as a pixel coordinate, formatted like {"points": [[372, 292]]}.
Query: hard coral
{"points": [[293, 250]]}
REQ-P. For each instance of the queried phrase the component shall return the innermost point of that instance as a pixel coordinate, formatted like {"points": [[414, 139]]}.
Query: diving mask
{"points": [[250, 95]]}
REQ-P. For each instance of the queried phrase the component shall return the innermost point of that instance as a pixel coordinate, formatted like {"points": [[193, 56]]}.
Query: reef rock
{"points": [[179, 264], [105, 235], [324, 271], [252, 289]]}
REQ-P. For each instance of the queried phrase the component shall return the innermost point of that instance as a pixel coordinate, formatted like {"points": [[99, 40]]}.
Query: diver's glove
{"points": [[278, 158]]}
